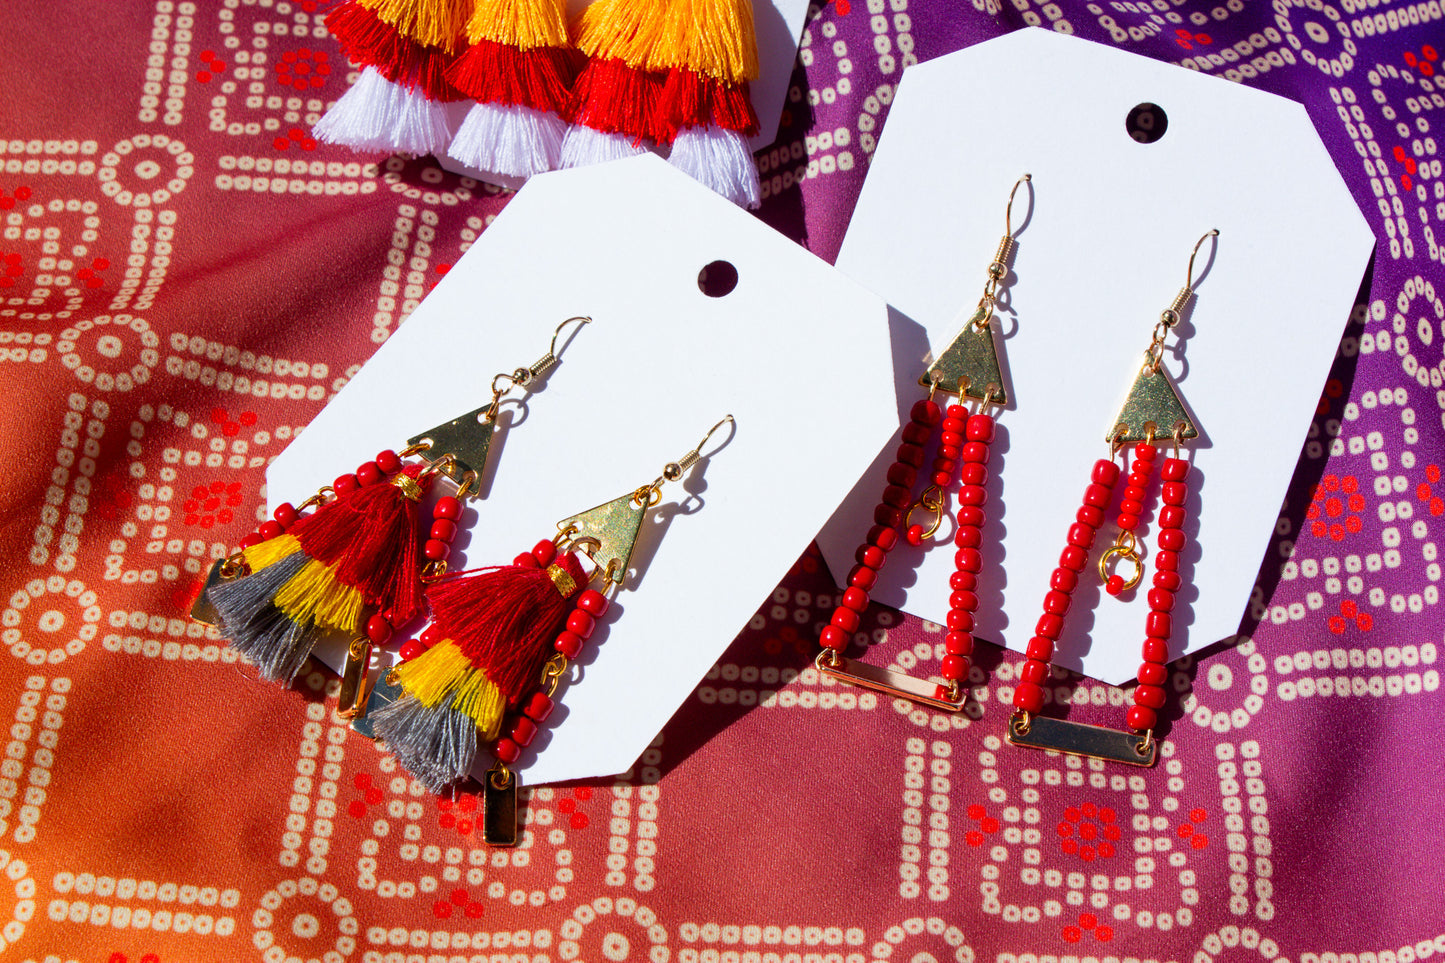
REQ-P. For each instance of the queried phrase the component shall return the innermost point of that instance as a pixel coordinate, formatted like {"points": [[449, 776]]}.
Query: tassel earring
{"points": [[968, 367], [402, 102], [614, 105], [355, 562], [499, 643], [1153, 410]]}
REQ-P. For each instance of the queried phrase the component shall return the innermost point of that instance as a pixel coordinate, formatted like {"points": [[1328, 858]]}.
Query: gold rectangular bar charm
{"points": [[889, 682], [1078, 739], [499, 810], [352, 698]]}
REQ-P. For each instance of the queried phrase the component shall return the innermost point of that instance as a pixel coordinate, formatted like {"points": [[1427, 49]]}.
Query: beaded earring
{"points": [[356, 561], [1153, 410], [968, 367], [498, 646]]}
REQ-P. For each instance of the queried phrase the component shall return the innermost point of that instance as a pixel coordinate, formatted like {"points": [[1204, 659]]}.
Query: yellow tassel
{"points": [[622, 29], [314, 595], [436, 23], [713, 37], [444, 669], [270, 551], [524, 24]]}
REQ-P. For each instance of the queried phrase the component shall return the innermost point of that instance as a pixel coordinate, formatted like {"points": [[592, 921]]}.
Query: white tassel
{"points": [[515, 141], [376, 114], [584, 146], [720, 159]]}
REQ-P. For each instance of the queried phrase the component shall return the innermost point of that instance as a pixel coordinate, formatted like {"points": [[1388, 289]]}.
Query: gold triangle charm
{"points": [[969, 365], [1152, 406], [610, 530], [466, 439]]}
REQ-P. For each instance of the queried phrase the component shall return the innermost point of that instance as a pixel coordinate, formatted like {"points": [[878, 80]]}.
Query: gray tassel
{"points": [[435, 745], [254, 627]]}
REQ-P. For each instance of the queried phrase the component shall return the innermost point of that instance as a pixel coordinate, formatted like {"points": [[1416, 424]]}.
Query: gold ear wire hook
{"points": [[1170, 315], [674, 470], [523, 377], [998, 267], [1189, 275], [1008, 211]]}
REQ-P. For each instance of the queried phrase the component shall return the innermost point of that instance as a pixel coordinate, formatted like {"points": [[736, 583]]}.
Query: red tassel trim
{"points": [[369, 537], [505, 619], [494, 73], [369, 41], [616, 99], [691, 99]]}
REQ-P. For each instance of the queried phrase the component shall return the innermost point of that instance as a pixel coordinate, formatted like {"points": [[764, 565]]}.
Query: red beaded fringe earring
{"points": [[1153, 403], [968, 367], [499, 644], [355, 564]]}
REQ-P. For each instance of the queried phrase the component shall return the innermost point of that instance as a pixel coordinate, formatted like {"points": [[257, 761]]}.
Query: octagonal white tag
{"points": [[1104, 235], [637, 388]]}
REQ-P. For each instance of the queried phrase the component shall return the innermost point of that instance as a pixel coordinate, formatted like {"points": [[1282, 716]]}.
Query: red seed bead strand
{"points": [[963, 602], [952, 440], [1029, 693], [883, 536], [1131, 508], [1150, 696]]}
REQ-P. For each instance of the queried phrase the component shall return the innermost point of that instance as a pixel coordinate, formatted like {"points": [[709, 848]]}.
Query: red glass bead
{"points": [[580, 623], [525, 560], [1171, 516], [1097, 495], [1158, 625], [1073, 558], [863, 577], [914, 535], [1175, 469], [975, 495], [957, 411], [1161, 600], [1040, 648], [963, 581], [1149, 695], [1135, 491], [1090, 516], [953, 667], [901, 474], [1171, 539], [369, 473], [845, 619], [926, 413], [1152, 673], [430, 635], [916, 434], [1131, 506], [436, 551], [953, 439], [345, 485], [1034, 671], [958, 643], [959, 620], [834, 638], [285, 515], [945, 465], [887, 515], [883, 536], [967, 560], [507, 750], [1029, 697], [980, 428], [968, 537], [378, 629], [569, 644], [1127, 522], [1049, 625], [1169, 581], [388, 461], [524, 730], [973, 473], [872, 556], [410, 649], [971, 515], [1056, 602], [1145, 451], [942, 478], [252, 539], [593, 602], [896, 496], [443, 530], [1105, 473], [539, 707], [1063, 580], [269, 529], [1081, 535], [1174, 493], [1141, 718], [1114, 585], [1139, 480], [950, 452], [910, 455], [1156, 650], [956, 425], [1166, 561], [447, 507], [855, 599], [976, 451]]}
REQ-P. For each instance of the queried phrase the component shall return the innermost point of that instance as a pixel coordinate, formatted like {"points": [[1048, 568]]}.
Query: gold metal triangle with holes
{"points": [[466, 439], [969, 365], [202, 610], [610, 531], [1152, 404]]}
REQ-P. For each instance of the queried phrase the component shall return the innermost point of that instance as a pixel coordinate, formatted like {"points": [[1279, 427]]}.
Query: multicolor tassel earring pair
{"points": [[494, 84]]}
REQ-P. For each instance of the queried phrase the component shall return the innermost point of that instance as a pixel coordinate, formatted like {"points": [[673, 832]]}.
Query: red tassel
{"points": [[370, 537], [614, 98], [692, 99], [494, 73], [369, 41], [505, 619]]}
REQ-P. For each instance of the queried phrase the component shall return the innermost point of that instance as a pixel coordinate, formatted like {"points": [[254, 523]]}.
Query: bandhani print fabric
{"points": [[186, 276]]}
